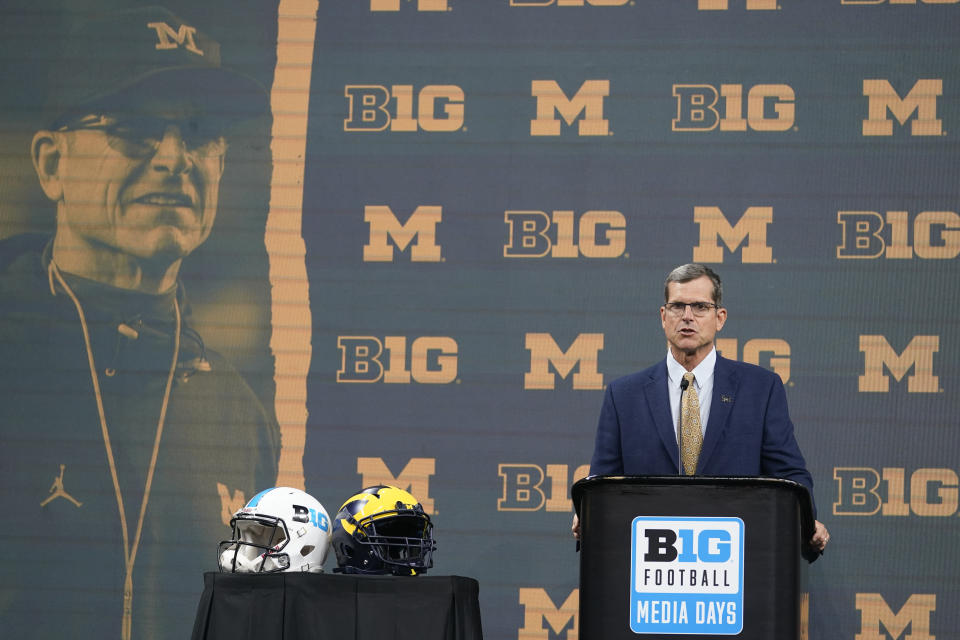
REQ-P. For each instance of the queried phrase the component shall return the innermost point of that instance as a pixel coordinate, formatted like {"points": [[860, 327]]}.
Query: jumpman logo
{"points": [[57, 490]]}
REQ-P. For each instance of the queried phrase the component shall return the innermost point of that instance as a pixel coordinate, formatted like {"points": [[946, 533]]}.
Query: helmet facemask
{"points": [[401, 539], [256, 545]]}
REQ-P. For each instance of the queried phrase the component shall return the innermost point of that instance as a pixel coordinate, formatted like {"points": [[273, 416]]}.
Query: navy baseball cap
{"points": [[143, 60]]}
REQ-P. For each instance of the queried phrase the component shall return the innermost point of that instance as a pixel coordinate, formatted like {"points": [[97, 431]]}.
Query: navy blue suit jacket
{"points": [[749, 432]]}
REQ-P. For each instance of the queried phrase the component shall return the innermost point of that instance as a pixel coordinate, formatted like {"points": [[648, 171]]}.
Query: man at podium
{"points": [[694, 412]]}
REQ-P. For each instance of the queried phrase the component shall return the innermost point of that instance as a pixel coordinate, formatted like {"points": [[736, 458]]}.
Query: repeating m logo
{"points": [[751, 227], [422, 5], [552, 100], [723, 5], [414, 478], [922, 99], [915, 613], [229, 504], [544, 352], [420, 228], [918, 355], [537, 607]]}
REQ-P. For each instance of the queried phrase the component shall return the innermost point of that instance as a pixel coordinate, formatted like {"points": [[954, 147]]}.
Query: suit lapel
{"points": [[725, 384], [658, 399]]}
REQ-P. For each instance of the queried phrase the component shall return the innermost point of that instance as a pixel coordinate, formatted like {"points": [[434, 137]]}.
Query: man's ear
{"points": [[721, 318], [222, 160], [46, 152]]}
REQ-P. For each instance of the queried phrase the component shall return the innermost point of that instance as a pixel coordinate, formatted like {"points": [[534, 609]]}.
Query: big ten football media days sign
{"points": [[686, 575]]}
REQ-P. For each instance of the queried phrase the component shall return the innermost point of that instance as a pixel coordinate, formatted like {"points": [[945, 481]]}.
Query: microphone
{"points": [[684, 383]]}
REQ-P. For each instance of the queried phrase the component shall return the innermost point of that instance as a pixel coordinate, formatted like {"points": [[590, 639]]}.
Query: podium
{"points": [[692, 557]]}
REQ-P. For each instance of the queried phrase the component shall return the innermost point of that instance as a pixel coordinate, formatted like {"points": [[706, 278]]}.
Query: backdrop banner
{"points": [[411, 242]]}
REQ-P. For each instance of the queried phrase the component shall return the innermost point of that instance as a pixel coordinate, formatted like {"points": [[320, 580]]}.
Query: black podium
{"points": [[692, 557], [295, 606]]}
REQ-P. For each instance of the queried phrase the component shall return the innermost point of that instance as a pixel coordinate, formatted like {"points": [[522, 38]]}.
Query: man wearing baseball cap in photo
{"points": [[125, 440]]}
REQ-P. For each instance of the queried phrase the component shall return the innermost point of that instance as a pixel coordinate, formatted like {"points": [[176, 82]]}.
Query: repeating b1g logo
{"points": [[686, 575], [373, 107]]}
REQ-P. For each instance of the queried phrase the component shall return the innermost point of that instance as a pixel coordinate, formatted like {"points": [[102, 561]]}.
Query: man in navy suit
{"points": [[744, 421]]}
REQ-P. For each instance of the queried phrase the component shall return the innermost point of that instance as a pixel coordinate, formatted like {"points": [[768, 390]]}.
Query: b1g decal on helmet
{"points": [[383, 530], [280, 529]]}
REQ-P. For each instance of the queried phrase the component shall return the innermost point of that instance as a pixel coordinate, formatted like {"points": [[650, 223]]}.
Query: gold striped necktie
{"points": [[690, 434]]}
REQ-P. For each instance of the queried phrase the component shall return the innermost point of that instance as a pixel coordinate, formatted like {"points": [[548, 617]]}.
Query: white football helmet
{"points": [[280, 529]]}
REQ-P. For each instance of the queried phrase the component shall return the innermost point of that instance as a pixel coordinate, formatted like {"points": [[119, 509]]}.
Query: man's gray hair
{"points": [[692, 271]]}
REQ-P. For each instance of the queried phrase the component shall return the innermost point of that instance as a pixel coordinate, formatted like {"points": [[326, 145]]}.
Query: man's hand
{"points": [[820, 536], [575, 527]]}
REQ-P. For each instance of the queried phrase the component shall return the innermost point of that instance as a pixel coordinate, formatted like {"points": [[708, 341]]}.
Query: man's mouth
{"points": [[166, 199]]}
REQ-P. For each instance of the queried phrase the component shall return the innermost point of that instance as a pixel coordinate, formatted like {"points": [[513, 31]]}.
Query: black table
{"points": [[295, 606]]}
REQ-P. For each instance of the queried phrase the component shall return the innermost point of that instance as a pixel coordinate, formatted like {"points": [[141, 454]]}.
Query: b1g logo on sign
{"points": [[687, 575]]}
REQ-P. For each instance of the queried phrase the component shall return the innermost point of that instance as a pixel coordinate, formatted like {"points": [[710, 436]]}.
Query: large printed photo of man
{"points": [[126, 440]]}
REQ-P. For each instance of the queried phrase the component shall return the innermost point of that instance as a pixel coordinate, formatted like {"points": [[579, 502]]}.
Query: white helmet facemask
{"points": [[256, 550]]}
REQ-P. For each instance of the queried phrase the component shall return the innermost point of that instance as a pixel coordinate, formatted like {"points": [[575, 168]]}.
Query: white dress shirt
{"points": [[703, 381]]}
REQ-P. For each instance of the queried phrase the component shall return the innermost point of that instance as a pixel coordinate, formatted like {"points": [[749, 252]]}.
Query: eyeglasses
{"points": [[141, 137], [698, 308]]}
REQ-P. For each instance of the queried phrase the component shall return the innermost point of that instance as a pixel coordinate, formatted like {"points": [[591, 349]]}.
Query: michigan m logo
{"points": [[229, 504], [568, 3], [552, 100], [537, 607], [544, 352], [723, 5], [422, 5], [751, 227], [918, 355], [420, 229], [922, 99], [414, 478], [167, 38], [915, 613]]}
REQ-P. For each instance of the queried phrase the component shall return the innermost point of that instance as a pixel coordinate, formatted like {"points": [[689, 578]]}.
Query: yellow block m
{"points": [[544, 352], [915, 612], [414, 478], [921, 99], [420, 228], [918, 355], [229, 504], [537, 607], [552, 100], [751, 227]]}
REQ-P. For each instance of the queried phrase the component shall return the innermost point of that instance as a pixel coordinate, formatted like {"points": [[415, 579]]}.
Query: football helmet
{"points": [[383, 530], [280, 529]]}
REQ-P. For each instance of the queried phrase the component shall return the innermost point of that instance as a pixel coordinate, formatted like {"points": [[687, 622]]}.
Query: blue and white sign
{"points": [[686, 575]]}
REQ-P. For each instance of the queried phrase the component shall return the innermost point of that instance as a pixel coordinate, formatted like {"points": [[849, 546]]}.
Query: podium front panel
{"points": [[772, 571]]}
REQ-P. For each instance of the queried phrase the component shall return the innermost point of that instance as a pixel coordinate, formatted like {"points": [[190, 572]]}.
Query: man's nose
{"points": [[172, 154]]}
